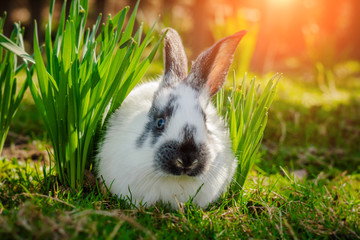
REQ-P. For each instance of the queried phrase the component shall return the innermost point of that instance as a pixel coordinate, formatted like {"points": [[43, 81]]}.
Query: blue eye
{"points": [[160, 123]]}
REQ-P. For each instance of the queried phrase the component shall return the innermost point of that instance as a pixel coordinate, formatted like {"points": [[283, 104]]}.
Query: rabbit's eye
{"points": [[160, 123]]}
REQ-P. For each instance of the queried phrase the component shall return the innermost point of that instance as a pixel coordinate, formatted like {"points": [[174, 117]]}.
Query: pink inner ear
{"points": [[221, 66]]}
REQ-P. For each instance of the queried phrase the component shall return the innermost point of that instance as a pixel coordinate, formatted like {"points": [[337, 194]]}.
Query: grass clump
{"points": [[245, 109], [10, 96], [84, 77]]}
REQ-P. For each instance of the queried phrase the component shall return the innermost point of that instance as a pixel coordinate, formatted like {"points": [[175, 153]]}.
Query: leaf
{"points": [[11, 46]]}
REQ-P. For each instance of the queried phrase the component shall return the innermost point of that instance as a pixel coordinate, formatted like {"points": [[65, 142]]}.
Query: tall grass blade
{"points": [[245, 110], [10, 95]]}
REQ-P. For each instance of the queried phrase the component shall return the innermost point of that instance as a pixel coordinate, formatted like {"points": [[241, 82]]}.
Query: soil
{"points": [[22, 148]]}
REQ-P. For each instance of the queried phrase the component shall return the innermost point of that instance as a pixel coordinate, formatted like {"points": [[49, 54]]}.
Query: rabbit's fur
{"points": [[166, 141]]}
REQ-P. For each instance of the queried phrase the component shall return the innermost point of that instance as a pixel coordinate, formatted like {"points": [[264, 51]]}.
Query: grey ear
{"points": [[175, 60], [210, 69]]}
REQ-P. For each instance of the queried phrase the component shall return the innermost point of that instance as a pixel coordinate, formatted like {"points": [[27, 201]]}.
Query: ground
{"points": [[305, 185]]}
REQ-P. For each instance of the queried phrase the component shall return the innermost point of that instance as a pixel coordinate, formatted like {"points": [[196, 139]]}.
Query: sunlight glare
{"points": [[281, 2]]}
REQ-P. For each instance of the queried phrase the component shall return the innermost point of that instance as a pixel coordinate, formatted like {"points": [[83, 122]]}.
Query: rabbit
{"points": [[166, 142]]}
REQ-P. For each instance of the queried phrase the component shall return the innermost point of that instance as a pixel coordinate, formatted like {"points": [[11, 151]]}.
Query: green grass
{"points": [[10, 94], [245, 111], [270, 207], [308, 129], [84, 75]]}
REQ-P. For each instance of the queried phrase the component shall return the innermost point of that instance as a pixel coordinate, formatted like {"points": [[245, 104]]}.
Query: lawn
{"points": [[305, 184]]}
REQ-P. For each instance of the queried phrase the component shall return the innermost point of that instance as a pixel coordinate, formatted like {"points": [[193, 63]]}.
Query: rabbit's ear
{"points": [[212, 66], [175, 60]]}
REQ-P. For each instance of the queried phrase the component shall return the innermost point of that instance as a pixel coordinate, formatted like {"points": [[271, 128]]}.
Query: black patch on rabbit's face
{"points": [[182, 157], [140, 140], [155, 113]]}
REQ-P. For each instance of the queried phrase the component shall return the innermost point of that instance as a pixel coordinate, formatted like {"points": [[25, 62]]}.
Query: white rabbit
{"points": [[166, 141]]}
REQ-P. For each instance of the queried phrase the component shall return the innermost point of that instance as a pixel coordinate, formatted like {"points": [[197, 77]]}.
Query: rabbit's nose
{"points": [[179, 163], [186, 165]]}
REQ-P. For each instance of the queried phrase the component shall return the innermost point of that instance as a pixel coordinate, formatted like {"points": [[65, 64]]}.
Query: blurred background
{"points": [[314, 124], [284, 35]]}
